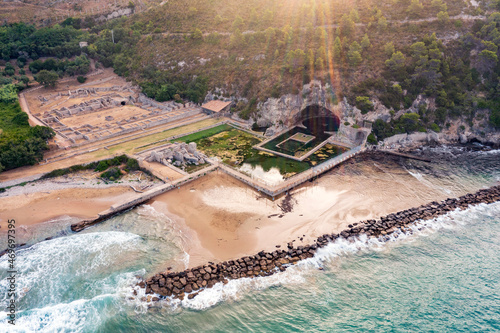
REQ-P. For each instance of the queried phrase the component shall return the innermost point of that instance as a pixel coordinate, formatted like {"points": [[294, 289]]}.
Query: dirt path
{"points": [[33, 120]]}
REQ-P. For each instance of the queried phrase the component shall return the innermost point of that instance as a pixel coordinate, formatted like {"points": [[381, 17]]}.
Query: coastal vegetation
{"points": [[419, 57], [318, 40], [111, 168], [20, 144], [114, 168]]}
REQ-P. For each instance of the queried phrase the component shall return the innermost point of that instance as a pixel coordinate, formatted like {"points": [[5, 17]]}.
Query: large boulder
{"points": [[190, 158], [156, 156], [417, 137], [191, 147], [168, 154], [433, 137], [395, 139], [270, 131], [178, 156]]}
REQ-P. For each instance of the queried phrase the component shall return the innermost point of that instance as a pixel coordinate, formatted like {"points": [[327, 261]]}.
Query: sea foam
{"points": [[61, 282]]}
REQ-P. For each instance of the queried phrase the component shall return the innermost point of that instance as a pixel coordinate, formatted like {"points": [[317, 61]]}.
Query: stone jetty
{"points": [[190, 282]]}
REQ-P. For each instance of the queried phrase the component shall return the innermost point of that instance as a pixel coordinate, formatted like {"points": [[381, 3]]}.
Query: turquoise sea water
{"points": [[443, 276]]}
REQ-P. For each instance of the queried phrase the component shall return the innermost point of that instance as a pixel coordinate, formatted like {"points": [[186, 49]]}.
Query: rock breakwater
{"points": [[190, 282]]}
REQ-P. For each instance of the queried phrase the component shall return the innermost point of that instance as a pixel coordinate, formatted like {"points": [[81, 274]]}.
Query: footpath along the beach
{"points": [[190, 282]]}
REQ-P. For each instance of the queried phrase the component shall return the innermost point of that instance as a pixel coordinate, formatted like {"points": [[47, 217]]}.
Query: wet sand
{"points": [[227, 219], [30, 209]]}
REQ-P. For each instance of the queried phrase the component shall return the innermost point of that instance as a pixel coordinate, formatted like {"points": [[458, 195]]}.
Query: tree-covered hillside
{"points": [[439, 57], [368, 51]]}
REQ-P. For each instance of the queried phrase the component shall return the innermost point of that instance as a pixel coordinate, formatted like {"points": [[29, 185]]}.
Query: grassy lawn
{"points": [[234, 147], [131, 146], [195, 137]]}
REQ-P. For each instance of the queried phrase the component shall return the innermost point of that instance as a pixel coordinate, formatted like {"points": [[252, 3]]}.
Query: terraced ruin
{"points": [[102, 109]]}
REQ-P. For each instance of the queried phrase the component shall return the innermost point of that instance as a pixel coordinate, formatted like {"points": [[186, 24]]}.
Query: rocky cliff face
{"points": [[115, 14], [445, 137], [281, 112], [278, 113]]}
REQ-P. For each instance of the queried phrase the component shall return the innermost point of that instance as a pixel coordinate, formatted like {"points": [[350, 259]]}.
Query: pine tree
{"points": [[337, 48], [389, 49], [365, 42]]}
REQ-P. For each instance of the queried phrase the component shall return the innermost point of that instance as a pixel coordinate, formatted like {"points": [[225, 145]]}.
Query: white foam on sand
{"points": [[236, 199], [271, 177]]}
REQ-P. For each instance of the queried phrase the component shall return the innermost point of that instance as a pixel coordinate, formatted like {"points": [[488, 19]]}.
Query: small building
{"points": [[83, 44], [216, 107]]}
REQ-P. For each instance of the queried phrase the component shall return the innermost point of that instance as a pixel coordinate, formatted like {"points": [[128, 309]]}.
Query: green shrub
{"points": [[21, 119], [122, 159], [8, 92], [132, 164], [78, 167], [112, 174], [81, 79], [363, 103], [372, 139], [103, 165], [435, 127]]}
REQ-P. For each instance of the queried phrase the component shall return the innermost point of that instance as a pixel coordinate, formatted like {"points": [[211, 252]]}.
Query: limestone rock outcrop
{"points": [[178, 154]]}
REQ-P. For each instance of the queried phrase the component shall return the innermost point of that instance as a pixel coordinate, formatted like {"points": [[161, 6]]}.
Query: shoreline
{"points": [[31, 209], [80, 195], [227, 219], [191, 281]]}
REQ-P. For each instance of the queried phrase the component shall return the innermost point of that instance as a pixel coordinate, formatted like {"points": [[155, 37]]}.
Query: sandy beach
{"points": [[32, 208], [223, 218], [227, 219]]}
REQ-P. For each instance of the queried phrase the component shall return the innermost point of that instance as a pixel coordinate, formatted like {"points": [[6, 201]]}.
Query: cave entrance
{"points": [[318, 120]]}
